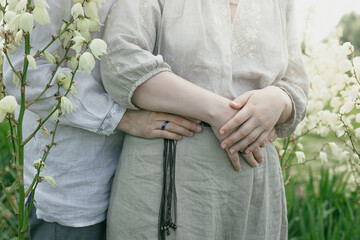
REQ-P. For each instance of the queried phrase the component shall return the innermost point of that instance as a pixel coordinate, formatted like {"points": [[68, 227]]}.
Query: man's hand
{"points": [[260, 111], [148, 124]]}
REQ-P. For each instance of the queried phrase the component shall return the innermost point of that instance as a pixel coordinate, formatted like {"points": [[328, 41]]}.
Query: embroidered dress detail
{"points": [[246, 27]]}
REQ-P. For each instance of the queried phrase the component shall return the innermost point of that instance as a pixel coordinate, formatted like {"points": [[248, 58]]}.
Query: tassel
{"points": [[168, 199]]}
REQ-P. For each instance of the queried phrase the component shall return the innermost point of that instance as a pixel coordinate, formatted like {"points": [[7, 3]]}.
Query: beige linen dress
{"points": [[197, 41]]}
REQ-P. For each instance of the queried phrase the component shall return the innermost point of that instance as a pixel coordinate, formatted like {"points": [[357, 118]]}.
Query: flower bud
{"points": [[32, 61], [19, 36], [50, 180], [49, 57], [66, 105]]}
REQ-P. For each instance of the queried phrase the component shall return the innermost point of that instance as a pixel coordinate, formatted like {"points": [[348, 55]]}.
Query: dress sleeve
{"points": [[295, 81], [95, 111], [131, 33]]}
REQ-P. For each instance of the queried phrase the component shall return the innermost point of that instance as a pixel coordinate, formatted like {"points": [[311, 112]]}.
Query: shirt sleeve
{"points": [[131, 33], [95, 111], [295, 81]]}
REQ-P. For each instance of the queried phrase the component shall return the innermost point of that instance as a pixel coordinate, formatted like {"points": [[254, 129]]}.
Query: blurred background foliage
{"points": [[350, 23]]}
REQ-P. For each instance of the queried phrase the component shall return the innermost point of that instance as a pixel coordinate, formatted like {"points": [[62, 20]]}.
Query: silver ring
{"points": [[164, 125]]}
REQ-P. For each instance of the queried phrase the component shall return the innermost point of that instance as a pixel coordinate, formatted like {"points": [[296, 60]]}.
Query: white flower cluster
{"points": [[19, 21], [334, 97]]}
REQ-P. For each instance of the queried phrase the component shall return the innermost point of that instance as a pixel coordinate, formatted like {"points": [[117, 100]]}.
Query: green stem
{"points": [[20, 162], [54, 39]]}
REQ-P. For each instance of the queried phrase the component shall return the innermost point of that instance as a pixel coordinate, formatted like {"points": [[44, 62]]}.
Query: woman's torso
{"points": [[201, 44]]}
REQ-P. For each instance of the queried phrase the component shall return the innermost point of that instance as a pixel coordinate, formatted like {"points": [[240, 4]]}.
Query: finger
{"points": [[258, 155], [174, 128], [240, 134], [193, 120], [165, 134], [240, 101], [249, 157], [235, 160], [235, 122], [273, 135], [185, 123], [262, 138]]}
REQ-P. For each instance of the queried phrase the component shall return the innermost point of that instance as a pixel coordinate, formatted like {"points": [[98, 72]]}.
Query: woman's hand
{"points": [[148, 124], [253, 158], [260, 111]]}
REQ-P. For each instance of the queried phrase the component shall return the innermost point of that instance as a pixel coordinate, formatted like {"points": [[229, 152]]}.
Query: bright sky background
{"points": [[327, 14]]}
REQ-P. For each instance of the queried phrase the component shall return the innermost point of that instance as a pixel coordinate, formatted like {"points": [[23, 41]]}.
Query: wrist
{"points": [[220, 113], [287, 112], [124, 122]]}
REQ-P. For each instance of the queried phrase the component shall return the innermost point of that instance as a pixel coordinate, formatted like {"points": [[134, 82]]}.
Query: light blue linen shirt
{"points": [[87, 151]]}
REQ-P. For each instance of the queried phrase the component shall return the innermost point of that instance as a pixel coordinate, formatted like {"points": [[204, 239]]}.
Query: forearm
{"points": [[167, 92]]}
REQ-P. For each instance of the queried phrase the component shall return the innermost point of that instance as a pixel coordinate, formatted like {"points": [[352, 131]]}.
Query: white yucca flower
{"points": [[21, 6], [66, 105], [7, 105], [41, 4], [79, 41], [87, 62], [357, 133], [77, 10], [323, 157], [41, 15], [37, 164], [345, 66], [72, 63], [45, 131], [300, 156], [18, 37], [26, 22], [98, 47], [32, 61], [50, 180], [348, 47], [64, 80], [91, 9], [49, 57], [347, 107], [56, 115], [83, 24], [12, 4], [15, 79]]}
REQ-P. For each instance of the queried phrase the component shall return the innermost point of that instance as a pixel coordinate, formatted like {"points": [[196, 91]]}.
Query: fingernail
{"points": [[232, 150], [198, 128], [256, 165], [222, 132], [190, 134], [223, 145], [247, 151], [234, 103]]}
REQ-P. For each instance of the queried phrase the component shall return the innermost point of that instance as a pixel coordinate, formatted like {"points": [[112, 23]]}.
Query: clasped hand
{"points": [[253, 126]]}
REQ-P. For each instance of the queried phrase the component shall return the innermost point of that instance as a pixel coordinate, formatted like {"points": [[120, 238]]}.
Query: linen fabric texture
{"points": [[196, 40], [87, 151]]}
